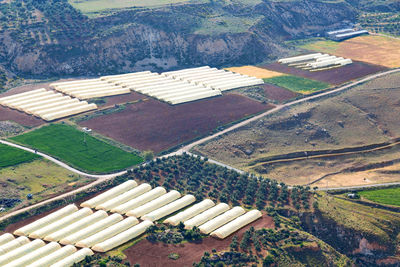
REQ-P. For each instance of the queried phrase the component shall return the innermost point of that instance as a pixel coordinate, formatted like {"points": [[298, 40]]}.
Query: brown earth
{"points": [[379, 50], [277, 93], [7, 114], [255, 71], [333, 76], [149, 254], [153, 125], [121, 99]]}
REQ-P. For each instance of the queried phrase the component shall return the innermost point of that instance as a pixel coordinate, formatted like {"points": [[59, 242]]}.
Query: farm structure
{"points": [[315, 62], [343, 34], [70, 228], [334, 76], [47, 105], [162, 87], [206, 76], [85, 89], [174, 87]]}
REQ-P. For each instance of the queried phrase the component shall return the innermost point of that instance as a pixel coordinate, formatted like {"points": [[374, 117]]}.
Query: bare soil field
{"points": [[364, 115], [156, 126], [121, 99], [374, 49], [255, 71], [334, 76], [376, 176], [7, 114], [337, 170], [277, 93], [149, 254]]}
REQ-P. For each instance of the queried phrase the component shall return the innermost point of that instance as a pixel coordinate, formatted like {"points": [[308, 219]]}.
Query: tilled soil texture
{"points": [[277, 93], [149, 254], [121, 99], [153, 125], [7, 114], [334, 76]]}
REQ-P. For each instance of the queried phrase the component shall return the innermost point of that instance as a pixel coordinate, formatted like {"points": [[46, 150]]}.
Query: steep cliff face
{"points": [[159, 39], [367, 235]]}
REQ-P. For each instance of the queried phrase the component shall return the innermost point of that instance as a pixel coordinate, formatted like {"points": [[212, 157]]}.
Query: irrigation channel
{"points": [[187, 148]]}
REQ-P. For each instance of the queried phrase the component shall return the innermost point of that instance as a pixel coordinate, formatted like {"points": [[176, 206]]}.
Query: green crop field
{"points": [[297, 84], [390, 196], [95, 6], [10, 156], [78, 149]]}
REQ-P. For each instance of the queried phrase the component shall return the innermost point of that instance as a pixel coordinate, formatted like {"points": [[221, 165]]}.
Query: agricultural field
{"points": [[381, 22], [78, 148], [373, 49], [10, 156], [334, 76], [297, 84], [389, 196], [268, 93], [374, 175], [7, 114], [186, 174], [98, 6], [156, 126], [255, 71], [363, 115], [41, 178]]}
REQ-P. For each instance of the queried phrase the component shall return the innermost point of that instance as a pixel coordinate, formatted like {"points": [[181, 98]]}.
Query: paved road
{"points": [[187, 148]]}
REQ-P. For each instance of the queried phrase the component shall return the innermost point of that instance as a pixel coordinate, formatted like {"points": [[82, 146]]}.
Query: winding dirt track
{"points": [[187, 148]]}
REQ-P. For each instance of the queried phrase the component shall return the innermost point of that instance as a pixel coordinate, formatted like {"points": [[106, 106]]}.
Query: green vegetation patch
{"points": [[322, 46], [10, 156], [297, 84], [390, 196], [41, 178], [78, 149]]}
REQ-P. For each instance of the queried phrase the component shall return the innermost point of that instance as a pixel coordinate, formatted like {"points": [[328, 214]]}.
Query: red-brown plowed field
{"points": [[7, 114], [146, 253], [333, 76], [277, 93], [121, 99], [156, 126]]}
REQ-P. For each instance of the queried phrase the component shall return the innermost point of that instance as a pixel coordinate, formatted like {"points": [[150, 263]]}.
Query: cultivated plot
{"points": [[255, 71], [379, 50], [78, 148], [332, 76], [297, 84], [152, 125]]}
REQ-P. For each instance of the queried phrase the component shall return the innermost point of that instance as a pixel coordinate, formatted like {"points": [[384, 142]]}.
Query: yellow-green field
{"points": [[41, 178], [94, 6]]}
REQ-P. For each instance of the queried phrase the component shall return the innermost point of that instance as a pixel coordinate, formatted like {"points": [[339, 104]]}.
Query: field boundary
{"points": [[296, 156]]}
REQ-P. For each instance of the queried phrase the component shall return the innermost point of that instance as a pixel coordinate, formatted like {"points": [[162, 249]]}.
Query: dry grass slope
{"points": [[364, 115]]}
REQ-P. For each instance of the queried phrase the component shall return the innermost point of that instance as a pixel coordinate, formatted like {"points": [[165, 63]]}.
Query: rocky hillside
{"points": [[51, 38]]}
